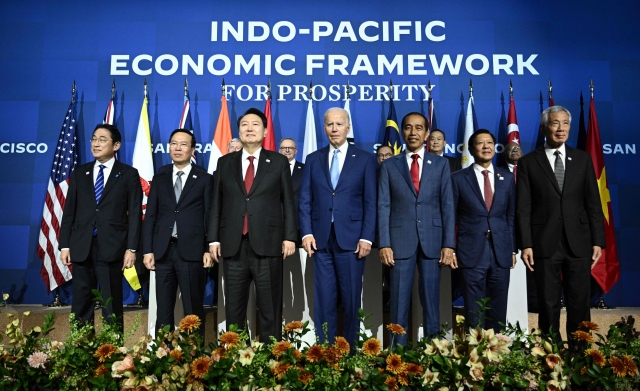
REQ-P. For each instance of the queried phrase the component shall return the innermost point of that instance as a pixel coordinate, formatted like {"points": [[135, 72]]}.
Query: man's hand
{"points": [[129, 260], [288, 248], [207, 261], [386, 256], [454, 262], [514, 261], [214, 250], [363, 249], [527, 257], [446, 256], [149, 261], [309, 245], [597, 253], [65, 257]]}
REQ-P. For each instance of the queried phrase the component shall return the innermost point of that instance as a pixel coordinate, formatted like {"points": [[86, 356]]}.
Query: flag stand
{"points": [[56, 300], [601, 304], [140, 303]]}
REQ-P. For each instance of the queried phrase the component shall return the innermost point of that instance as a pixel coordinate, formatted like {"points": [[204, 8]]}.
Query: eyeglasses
{"points": [[287, 149], [101, 140], [175, 144], [385, 155], [514, 149]]}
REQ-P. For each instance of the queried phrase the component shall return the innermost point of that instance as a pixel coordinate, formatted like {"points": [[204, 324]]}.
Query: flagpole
{"points": [[113, 89], [391, 89]]}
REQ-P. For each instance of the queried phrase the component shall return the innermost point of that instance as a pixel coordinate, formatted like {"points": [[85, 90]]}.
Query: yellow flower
{"points": [[371, 347], [105, 351], [596, 356], [583, 336], [396, 328], [632, 368], [200, 366], [588, 326], [314, 353], [618, 367], [229, 339], [189, 323], [305, 377], [395, 364], [281, 347], [295, 326], [342, 345], [392, 383]]}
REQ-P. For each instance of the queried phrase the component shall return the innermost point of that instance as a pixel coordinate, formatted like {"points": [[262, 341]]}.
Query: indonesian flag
{"points": [[607, 270], [269, 142], [143, 162], [513, 133], [221, 137]]}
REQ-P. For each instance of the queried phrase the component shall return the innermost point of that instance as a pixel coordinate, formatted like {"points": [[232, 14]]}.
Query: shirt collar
{"points": [[511, 166], [479, 168], [419, 153], [108, 164], [343, 148], [246, 154], [186, 170], [551, 151]]}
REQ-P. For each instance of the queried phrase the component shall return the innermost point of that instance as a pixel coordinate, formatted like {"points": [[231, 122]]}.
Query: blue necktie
{"points": [[334, 170], [98, 188]]}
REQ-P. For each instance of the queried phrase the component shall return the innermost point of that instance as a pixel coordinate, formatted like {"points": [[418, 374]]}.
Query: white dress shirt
{"points": [[341, 156], [245, 161], [410, 160], [292, 165], [186, 171], [552, 158], [511, 166], [106, 171], [480, 176]]}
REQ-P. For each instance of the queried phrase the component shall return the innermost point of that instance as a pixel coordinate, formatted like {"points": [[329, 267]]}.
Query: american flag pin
{"points": [[87, 173], [194, 176], [569, 157], [501, 178], [268, 161], [353, 155], [428, 161]]}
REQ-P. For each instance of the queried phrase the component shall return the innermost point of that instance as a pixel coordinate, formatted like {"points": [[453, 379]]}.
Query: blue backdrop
{"points": [[47, 45]]}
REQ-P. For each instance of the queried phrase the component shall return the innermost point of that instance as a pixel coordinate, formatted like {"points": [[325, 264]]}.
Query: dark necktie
{"points": [[248, 182], [515, 173], [98, 188], [415, 172], [488, 193], [177, 189], [558, 169]]}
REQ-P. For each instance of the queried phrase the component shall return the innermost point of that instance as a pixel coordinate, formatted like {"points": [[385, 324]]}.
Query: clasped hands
{"points": [[447, 257]]}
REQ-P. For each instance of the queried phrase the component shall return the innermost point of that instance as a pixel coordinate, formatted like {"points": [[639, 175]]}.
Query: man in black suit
{"points": [[100, 229], [174, 231], [253, 225], [289, 149], [437, 142], [560, 224]]}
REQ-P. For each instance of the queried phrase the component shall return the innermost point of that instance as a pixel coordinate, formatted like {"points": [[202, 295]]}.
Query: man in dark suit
{"points": [[383, 153], [337, 223], [289, 149], [560, 224], [437, 142], [100, 229], [174, 231], [416, 225], [484, 197], [253, 225]]}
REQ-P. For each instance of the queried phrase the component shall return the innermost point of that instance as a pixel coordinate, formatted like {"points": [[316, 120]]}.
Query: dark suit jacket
{"points": [[272, 212], [474, 220], [296, 181], [454, 164], [406, 219], [543, 211], [191, 213], [118, 216], [352, 203]]}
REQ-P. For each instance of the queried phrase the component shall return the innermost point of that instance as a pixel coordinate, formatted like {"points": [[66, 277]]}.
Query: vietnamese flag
{"points": [[269, 141], [607, 270]]}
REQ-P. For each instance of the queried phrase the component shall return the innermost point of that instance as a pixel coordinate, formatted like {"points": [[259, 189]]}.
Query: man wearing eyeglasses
{"points": [[100, 228], [289, 149], [513, 153], [175, 229]]}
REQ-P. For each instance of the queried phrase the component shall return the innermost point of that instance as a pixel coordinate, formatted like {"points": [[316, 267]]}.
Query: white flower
{"points": [[144, 359], [246, 356], [123, 350], [37, 360], [161, 352], [430, 377], [255, 345]]}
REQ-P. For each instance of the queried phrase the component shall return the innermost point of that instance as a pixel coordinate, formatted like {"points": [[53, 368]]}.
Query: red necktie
{"points": [[515, 173], [415, 172], [488, 193], [248, 182]]}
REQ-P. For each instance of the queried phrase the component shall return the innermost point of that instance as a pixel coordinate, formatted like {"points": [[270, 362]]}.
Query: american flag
{"points": [[185, 123], [109, 117], [53, 272]]}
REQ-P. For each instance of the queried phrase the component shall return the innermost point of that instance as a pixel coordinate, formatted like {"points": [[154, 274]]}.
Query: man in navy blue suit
{"points": [[416, 224], [485, 201], [337, 223]]}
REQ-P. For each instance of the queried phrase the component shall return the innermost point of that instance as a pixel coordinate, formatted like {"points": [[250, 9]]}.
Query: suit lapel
{"points": [[349, 161], [324, 163], [190, 180], [472, 179], [90, 180], [426, 171], [263, 166], [541, 157], [568, 166], [111, 182], [401, 162], [499, 185], [168, 184], [237, 167]]}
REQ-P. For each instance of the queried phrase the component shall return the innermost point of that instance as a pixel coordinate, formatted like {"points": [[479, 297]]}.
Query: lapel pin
{"points": [[268, 161], [118, 175], [500, 177], [195, 176], [428, 161], [353, 155], [569, 157], [87, 173]]}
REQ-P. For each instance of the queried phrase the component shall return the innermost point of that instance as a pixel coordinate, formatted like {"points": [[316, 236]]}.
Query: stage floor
{"points": [[604, 318]]}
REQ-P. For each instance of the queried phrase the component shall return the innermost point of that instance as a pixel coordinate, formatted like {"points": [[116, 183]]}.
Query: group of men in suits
{"points": [[260, 203]]}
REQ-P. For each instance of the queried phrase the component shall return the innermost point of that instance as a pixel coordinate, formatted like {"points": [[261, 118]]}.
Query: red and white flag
{"points": [[269, 142], [513, 133]]}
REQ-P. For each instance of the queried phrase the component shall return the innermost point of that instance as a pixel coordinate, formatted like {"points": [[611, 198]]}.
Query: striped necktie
{"points": [[558, 169], [98, 188]]}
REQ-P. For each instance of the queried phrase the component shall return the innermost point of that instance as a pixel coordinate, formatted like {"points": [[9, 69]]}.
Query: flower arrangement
{"points": [[476, 359]]}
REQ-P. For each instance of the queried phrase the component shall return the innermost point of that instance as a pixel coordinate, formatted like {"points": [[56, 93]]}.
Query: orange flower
{"points": [[200, 366], [189, 323], [596, 356], [314, 353], [588, 326], [342, 345], [332, 355], [414, 369], [280, 369], [305, 377], [582, 336], [229, 339], [217, 354], [105, 351], [396, 328], [371, 347], [380, 371], [395, 364], [618, 367], [176, 354], [392, 383], [552, 360], [296, 326], [101, 370], [632, 368], [281, 347], [403, 379], [296, 353], [583, 370]]}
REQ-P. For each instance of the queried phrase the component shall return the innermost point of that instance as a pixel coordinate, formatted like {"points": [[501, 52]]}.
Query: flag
{"points": [[607, 270], [470, 126], [350, 138], [52, 271], [109, 117], [310, 142], [431, 116], [392, 132], [221, 137], [513, 133], [582, 130], [540, 140], [185, 122], [269, 141], [143, 162]]}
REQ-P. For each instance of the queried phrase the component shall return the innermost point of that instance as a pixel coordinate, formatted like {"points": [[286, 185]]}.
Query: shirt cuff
{"points": [[367, 241], [214, 244], [66, 248], [307, 236]]}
